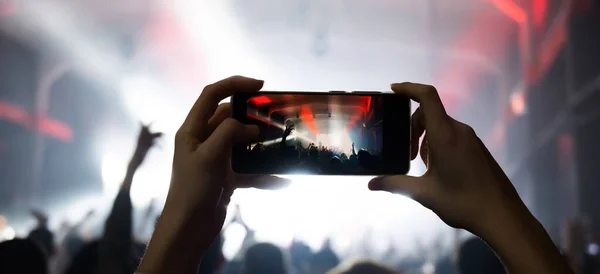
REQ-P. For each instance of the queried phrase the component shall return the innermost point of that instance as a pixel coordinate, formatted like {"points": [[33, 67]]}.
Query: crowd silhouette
{"points": [[293, 157]]}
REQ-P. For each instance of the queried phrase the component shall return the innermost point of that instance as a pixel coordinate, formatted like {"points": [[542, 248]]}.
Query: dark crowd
{"points": [[464, 186], [293, 157]]}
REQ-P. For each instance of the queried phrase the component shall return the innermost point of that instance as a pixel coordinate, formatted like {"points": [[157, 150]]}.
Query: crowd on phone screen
{"points": [[287, 156]]}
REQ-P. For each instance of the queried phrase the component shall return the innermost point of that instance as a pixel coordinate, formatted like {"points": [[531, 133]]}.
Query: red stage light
{"points": [[6, 10], [511, 9], [264, 120], [353, 120], [539, 12], [45, 125], [308, 118], [260, 100]]}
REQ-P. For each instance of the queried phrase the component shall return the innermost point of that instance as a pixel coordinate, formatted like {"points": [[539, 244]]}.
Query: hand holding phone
{"points": [[324, 133], [463, 185]]}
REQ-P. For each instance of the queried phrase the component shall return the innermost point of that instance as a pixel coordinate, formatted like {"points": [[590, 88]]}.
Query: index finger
{"points": [[428, 98], [196, 123]]}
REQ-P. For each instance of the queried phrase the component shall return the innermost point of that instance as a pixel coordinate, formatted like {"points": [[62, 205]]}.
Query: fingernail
{"points": [[248, 83], [376, 184], [253, 79]]}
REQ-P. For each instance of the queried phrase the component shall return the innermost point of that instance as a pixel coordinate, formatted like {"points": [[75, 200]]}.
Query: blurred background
{"points": [[78, 77]]}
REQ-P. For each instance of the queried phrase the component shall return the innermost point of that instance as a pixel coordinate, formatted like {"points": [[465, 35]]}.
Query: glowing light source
{"points": [[140, 96], [150, 181], [593, 249], [540, 8], [9, 233], [309, 119], [260, 100], [227, 50], [511, 9], [315, 208], [517, 103], [428, 268], [113, 171], [234, 236]]}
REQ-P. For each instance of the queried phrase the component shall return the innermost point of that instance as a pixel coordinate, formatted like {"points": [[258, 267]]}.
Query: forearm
{"points": [[128, 180], [170, 250], [522, 244], [115, 244]]}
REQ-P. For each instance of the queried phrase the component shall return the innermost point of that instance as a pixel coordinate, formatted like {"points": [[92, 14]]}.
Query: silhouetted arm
{"points": [[116, 243]]}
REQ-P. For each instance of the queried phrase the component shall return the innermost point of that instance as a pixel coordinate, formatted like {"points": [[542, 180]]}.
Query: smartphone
{"points": [[323, 133]]}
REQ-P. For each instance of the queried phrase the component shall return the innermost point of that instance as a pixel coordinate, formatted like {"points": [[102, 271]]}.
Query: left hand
{"points": [[203, 180]]}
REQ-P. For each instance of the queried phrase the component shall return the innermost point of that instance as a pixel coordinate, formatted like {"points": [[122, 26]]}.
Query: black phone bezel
{"points": [[396, 138]]}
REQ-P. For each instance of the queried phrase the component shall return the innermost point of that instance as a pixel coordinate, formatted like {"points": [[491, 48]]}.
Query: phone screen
{"points": [[324, 133]]}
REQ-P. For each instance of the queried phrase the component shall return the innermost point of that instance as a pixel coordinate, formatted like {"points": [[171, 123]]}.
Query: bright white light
{"points": [[225, 47], [141, 98], [9, 233], [234, 239], [428, 268], [151, 181], [593, 249], [114, 167], [339, 140], [518, 103], [314, 208]]}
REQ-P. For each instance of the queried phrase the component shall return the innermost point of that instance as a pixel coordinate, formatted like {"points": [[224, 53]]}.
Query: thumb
{"points": [[401, 184], [231, 132]]}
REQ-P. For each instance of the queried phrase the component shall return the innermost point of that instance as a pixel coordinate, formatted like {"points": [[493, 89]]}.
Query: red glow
{"points": [[488, 35], [55, 128], [353, 120], [550, 49], [361, 108], [511, 9], [14, 114], [565, 148], [264, 120], [307, 117], [45, 125], [260, 100], [6, 10], [539, 12], [167, 43]]}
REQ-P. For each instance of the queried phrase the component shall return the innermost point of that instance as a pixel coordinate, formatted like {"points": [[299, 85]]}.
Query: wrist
{"points": [[503, 218], [521, 242]]}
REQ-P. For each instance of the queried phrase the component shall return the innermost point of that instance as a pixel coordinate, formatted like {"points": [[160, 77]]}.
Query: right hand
{"points": [[463, 183]]}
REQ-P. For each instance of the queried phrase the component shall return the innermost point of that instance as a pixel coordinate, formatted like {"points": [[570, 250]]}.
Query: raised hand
{"points": [[202, 180], [146, 139], [289, 128]]}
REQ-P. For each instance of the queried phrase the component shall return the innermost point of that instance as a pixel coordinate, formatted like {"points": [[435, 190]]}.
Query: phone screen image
{"points": [[318, 133]]}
